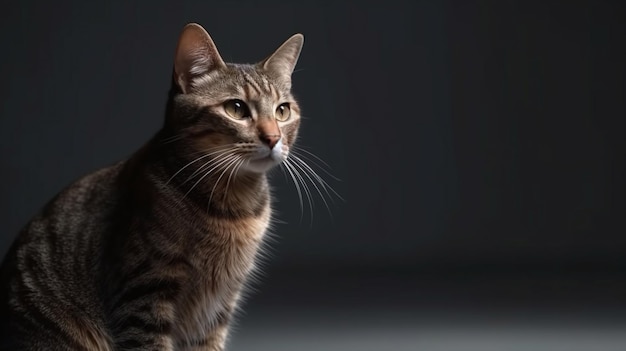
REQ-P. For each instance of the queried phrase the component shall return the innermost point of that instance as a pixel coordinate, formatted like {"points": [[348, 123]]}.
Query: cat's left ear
{"points": [[284, 59], [196, 55]]}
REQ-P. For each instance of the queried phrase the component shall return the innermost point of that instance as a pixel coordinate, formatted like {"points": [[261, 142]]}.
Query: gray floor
{"points": [[401, 338], [519, 312], [376, 330]]}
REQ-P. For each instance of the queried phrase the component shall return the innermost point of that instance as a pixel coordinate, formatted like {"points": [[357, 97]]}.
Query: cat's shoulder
{"points": [[93, 189], [100, 179]]}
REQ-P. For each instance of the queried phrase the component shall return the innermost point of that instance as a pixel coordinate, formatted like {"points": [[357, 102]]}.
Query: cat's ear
{"points": [[284, 59], [196, 55]]}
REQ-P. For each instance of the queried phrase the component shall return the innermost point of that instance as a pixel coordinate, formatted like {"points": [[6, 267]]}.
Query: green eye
{"points": [[237, 109], [283, 112]]}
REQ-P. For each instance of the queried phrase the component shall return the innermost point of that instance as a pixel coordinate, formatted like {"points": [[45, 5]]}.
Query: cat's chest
{"points": [[224, 259]]}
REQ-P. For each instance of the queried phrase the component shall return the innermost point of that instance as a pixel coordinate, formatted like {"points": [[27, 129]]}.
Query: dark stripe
{"points": [[266, 84], [145, 308], [252, 83], [136, 322], [215, 208], [261, 204], [163, 255], [192, 114], [237, 214], [34, 321], [143, 267], [129, 344], [274, 92], [164, 289], [211, 123], [222, 318], [246, 91]]}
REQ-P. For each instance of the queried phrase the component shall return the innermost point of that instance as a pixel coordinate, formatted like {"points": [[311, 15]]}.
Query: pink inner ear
{"points": [[284, 59], [196, 55]]}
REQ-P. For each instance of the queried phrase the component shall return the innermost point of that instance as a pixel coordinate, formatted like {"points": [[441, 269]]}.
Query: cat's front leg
{"points": [[215, 340], [143, 343], [144, 327]]}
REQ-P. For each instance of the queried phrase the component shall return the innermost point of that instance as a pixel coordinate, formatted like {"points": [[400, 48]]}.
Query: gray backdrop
{"points": [[479, 147]]}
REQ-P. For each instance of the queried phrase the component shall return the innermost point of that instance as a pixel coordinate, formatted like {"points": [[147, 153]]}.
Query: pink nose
{"points": [[270, 139]]}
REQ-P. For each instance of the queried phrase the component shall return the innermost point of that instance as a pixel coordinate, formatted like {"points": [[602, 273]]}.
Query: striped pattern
{"points": [[153, 253]]}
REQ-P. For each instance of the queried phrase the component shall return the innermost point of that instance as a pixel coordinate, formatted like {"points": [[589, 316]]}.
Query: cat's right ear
{"points": [[284, 59], [196, 55]]}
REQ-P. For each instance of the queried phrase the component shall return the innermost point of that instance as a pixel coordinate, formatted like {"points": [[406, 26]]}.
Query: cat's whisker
{"points": [[282, 170], [305, 187], [306, 173], [307, 191], [196, 160], [293, 178], [221, 155], [184, 167], [173, 138], [225, 160], [233, 172], [310, 170], [297, 150], [320, 180], [233, 161], [212, 149], [222, 152]]}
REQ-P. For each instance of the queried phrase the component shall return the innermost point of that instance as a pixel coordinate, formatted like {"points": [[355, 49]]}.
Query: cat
{"points": [[152, 253]]}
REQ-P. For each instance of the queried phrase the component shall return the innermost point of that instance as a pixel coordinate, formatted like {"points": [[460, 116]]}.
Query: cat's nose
{"points": [[270, 139]]}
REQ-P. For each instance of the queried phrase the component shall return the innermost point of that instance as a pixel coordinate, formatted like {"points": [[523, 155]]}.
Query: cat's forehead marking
{"points": [[239, 81], [253, 86], [256, 86]]}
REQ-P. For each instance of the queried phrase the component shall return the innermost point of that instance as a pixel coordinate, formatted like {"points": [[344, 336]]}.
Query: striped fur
{"points": [[152, 253]]}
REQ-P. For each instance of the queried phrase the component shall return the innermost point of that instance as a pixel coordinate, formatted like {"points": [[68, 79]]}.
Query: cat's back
{"points": [[48, 277]]}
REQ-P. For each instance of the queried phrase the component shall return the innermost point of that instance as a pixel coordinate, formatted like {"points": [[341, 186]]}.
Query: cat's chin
{"points": [[261, 165], [266, 159]]}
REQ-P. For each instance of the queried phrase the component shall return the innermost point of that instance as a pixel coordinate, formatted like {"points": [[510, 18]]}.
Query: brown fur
{"points": [[153, 252]]}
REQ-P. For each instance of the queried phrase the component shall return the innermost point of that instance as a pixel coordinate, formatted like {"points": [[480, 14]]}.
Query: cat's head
{"points": [[244, 115]]}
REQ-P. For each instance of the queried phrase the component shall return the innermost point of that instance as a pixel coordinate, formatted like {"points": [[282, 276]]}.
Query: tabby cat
{"points": [[152, 253]]}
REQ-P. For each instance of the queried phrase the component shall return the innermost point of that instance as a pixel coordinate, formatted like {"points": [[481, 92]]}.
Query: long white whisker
{"points": [[296, 151], [221, 155], [234, 171], [173, 138], [322, 182], [293, 178], [185, 166], [218, 158], [304, 170], [226, 159], [300, 148], [189, 164], [282, 169], [305, 187], [215, 148], [232, 161]]}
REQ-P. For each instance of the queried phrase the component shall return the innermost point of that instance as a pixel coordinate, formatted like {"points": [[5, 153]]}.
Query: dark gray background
{"points": [[480, 147]]}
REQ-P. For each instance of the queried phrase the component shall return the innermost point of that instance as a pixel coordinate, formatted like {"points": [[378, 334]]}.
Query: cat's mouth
{"points": [[266, 158]]}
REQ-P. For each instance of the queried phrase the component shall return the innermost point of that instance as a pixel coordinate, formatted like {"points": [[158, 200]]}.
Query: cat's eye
{"points": [[283, 112], [237, 109]]}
